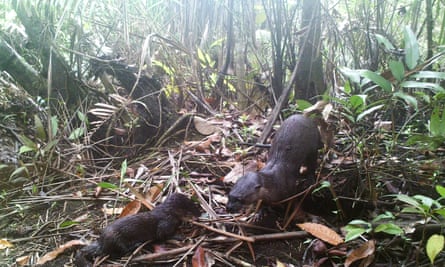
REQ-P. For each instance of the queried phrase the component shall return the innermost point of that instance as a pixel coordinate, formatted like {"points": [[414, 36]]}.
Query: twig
{"points": [[240, 237]]}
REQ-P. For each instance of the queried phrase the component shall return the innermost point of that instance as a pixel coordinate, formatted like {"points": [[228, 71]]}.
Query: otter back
{"points": [[295, 144]]}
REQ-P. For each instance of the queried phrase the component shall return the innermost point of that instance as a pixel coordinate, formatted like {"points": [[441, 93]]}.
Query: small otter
{"points": [[295, 144], [127, 233]]}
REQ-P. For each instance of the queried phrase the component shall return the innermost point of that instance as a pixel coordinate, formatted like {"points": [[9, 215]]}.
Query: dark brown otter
{"points": [[127, 233], [295, 144]]}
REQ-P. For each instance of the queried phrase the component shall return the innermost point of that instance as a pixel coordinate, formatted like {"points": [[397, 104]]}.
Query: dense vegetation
{"points": [[103, 102]]}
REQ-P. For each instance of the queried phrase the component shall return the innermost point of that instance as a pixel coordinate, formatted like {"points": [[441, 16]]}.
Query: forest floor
{"points": [[51, 218]]}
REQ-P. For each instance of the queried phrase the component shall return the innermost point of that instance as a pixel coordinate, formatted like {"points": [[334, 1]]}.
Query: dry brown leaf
{"points": [[131, 208], [322, 232], [199, 258], [23, 261], [365, 251], [53, 254], [5, 244], [239, 170], [204, 126]]}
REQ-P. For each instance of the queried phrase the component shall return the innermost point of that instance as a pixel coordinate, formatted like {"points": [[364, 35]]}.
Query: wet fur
{"points": [[295, 144]]}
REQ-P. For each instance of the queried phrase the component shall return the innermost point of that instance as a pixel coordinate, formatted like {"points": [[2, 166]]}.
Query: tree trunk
{"points": [[309, 81]]}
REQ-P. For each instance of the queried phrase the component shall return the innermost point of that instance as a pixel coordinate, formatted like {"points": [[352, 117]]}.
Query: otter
{"points": [[127, 233], [295, 144]]}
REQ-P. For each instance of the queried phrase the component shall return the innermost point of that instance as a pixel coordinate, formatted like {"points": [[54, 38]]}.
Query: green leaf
{"points": [[27, 142], [78, 132], [441, 190], [357, 102], [123, 169], [384, 41], [369, 111], [409, 99], [107, 185], [437, 122], [24, 149], [440, 211], [434, 246], [323, 184], [430, 86], [17, 172], [386, 215], [411, 48], [40, 129], [54, 125], [67, 224], [353, 232], [397, 69], [82, 117], [353, 75], [408, 200], [429, 75], [377, 79], [302, 104], [389, 228]]}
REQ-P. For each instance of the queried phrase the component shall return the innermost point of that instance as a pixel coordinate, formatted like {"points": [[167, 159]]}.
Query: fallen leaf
{"points": [[239, 170], [5, 244], [198, 259], [53, 254], [364, 251], [322, 232], [23, 261], [204, 126], [131, 208]]}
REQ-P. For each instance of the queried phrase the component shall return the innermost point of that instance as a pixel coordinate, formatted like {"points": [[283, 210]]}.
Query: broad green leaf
{"points": [[434, 246], [389, 228], [429, 75], [54, 125], [357, 102], [377, 79], [78, 132], [353, 232], [40, 129], [302, 104], [359, 222], [107, 185], [27, 142], [353, 75], [441, 190], [440, 211], [437, 122], [408, 200], [427, 201], [386, 215], [397, 69], [82, 116], [24, 149], [368, 111], [409, 99], [384, 41], [413, 210], [430, 86], [411, 48]]}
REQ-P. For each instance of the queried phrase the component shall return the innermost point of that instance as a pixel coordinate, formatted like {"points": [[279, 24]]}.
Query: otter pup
{"points": [[295, 144], [127, 233]]}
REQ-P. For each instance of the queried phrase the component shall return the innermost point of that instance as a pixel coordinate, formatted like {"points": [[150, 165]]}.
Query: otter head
{"points": [[247, 190]]}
